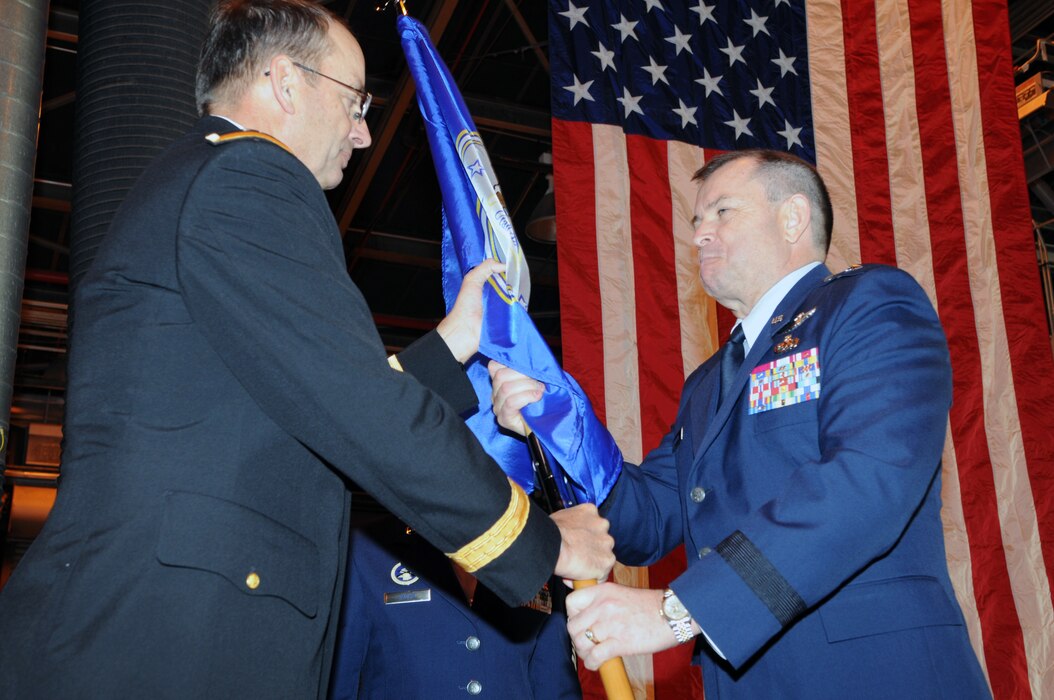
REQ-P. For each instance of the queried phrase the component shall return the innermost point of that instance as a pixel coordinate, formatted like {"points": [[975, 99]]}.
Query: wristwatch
{"points": [[676, 616]]}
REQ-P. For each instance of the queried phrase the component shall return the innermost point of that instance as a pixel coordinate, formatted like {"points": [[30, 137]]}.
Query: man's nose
{"points": [[360, 134], [703, 234]]}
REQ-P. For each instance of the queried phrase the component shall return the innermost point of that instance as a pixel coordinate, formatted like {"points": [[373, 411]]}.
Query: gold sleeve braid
{"points": [[492, 543], [498, 537]]}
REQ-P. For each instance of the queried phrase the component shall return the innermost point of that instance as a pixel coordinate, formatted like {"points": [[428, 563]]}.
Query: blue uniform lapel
{"points": [[787, 308]]}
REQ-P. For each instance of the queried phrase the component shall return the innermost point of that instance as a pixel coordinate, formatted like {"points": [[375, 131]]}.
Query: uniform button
{"points": [[698, 494], [472, 643], [704, 552], [474, 687], [252, 580]]}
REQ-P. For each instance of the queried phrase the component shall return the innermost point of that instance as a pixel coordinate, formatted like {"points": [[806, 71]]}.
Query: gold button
{"points": [[252, 581]]}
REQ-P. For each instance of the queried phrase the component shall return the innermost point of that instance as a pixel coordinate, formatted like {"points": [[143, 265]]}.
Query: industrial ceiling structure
{"points": [[388, 206]]}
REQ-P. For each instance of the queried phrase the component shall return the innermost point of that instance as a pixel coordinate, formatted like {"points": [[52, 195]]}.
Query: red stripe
{"points": [[581, 324], [658, 342], [1030, 357], [1003, 640], [660, 376], [867, 127]]}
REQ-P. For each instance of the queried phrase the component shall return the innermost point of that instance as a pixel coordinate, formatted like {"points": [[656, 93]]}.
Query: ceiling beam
{"points": [[1039, 159], [63, 25], [486, 112], [393, 114], [532, 41]]}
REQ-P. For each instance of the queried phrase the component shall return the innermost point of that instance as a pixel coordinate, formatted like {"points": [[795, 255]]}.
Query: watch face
{"points": [[673, 609]]}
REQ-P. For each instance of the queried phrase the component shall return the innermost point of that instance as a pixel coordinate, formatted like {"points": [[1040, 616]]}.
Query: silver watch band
{"points": [[682, 629]]}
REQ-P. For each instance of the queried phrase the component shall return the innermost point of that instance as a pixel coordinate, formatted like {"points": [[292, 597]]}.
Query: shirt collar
{"points": [[240, 127], [758, 318]]}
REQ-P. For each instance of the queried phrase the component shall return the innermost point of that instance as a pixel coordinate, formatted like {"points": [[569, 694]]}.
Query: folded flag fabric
{"points": [[476, 226]]}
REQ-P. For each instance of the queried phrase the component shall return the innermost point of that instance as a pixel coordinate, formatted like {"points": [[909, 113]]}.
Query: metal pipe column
{"points": [[23, 33], [136, 65]]}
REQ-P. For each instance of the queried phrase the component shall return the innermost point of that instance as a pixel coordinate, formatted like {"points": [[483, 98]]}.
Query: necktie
{"points": [[731, 359]]}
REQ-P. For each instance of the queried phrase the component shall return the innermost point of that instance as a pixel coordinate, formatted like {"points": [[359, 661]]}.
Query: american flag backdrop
{"points": [[907, 107]]}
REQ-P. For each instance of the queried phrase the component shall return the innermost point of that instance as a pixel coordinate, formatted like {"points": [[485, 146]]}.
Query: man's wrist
{"points": [[455, 340], [677, 617]]}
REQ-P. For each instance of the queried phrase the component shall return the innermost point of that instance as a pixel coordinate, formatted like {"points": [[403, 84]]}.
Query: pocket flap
{"points": [[865, 609], [257, 554]]}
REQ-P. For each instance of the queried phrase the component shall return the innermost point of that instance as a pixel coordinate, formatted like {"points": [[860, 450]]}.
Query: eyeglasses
{"points": [[365, 98]]}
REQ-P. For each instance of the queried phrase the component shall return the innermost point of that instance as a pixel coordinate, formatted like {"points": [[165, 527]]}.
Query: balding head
{"points": [[243, 37]]}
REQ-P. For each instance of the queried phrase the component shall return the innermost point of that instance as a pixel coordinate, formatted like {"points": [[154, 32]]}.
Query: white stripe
{"points": [[956, 536], [697, 310], [914, 254], [1017, 511], [619, 319], [617, 293], [957, 546], [830, 118], [911, 230]]}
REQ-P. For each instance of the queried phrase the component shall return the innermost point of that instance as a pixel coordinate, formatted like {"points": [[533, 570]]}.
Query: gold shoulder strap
{"points": [[219, 139]]}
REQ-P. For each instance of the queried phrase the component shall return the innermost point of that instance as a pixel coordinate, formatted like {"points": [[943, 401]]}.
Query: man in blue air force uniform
{"points": [[417, 626], [804, 483], [226, 378]]}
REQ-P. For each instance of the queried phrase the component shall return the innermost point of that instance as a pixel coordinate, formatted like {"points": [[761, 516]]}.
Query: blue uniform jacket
{"points": [[409, 632], [809, 502]]}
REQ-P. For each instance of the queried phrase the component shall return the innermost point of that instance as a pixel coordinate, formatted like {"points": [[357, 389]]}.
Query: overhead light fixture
{"points": [[541, 225]]}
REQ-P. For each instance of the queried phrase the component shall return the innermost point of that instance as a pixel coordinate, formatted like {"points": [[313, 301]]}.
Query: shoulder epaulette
{"points": [[852, 269], [219, 139]]}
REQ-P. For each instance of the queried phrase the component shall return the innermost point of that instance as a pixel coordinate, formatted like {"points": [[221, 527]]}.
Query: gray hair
{"points": [[783, 175], [245, 34]]}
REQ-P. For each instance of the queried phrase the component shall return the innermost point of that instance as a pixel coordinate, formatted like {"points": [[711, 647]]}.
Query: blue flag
{"points": [[477, 226]]}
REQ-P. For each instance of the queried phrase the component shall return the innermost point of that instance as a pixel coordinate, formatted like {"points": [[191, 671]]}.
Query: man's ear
{"points": [[795, 217], [285, 82]]}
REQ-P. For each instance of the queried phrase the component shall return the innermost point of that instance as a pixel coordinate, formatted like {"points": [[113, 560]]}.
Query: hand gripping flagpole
{"points": [[476, 225], [613, 671]]}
